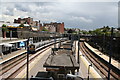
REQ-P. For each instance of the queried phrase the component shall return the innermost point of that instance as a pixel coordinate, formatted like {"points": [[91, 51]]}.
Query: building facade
{"points": [[28, 20], [54, 27]]}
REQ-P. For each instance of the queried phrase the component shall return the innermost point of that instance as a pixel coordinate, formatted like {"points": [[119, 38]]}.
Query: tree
{"points": [[105, 30], [21, 25], [118, 28], [70, 31], [44, 29], [84, 32], [4, 30]]}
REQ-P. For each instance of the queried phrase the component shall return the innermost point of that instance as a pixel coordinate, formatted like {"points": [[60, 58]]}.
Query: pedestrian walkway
{"points": [[12, 55], [105, 57]]}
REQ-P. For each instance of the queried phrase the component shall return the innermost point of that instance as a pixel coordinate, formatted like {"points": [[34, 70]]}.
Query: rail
{"points": [[100, 63]]}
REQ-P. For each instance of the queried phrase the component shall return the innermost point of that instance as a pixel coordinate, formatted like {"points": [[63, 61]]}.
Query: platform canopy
{"points": [[8, 45], [62, 59]]}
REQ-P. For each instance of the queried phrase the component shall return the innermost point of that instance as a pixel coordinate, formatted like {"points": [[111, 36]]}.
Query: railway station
{"points": [[10, 45], [63, 60], [60, 62], [59, 40]]}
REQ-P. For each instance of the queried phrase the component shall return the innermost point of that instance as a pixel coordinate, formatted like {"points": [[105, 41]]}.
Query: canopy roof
{"points": [[8, 45]]}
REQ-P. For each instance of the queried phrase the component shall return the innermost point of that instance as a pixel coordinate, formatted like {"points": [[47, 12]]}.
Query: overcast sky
{"points": [[75, 14]]}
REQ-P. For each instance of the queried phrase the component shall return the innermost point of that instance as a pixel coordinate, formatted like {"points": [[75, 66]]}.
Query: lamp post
{"points": [[10, 34], [27, 73], [29, 42], [110, 53], [78, 46], [89, 70], [55, 40], [71, 40], [60, 40], [103, 43]]}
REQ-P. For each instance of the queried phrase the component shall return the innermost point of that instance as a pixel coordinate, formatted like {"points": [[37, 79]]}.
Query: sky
{"points": [[86, 15]]}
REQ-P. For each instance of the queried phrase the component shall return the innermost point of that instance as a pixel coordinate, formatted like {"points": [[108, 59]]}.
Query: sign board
{"points": [[22, 44], [30, 41]]}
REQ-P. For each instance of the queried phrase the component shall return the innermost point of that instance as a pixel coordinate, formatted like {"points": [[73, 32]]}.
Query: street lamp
{"points": [[89, 70], [78, 46], [60, 40], [103, 46], [29, 42], [110, 53], [27, 72], [10, 34], [55, 40]]}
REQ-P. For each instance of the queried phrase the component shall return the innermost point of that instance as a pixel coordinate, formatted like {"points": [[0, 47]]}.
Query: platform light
{"points": [[89, 70]]}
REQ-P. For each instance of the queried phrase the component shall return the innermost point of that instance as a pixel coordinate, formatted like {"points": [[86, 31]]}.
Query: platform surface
{"points": [[105, 57], [12, 55]]}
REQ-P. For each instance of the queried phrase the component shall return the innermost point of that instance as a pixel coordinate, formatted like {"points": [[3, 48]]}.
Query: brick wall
{"points": [[62, 27]]}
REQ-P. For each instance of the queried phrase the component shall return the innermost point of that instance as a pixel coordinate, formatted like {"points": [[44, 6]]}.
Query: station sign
{"points": [[22, 44], [30, 41]]}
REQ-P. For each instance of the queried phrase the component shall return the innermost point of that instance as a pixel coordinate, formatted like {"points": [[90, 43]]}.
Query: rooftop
{"points": [[8, 40], [61, 58]]}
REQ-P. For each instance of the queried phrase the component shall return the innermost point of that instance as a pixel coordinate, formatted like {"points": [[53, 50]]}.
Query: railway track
{"points": [[11, 68], [24, 65], [6, 66], [102, 67]]}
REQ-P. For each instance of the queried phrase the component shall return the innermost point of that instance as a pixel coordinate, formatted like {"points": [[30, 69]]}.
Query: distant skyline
{"points": [[83, 15]]}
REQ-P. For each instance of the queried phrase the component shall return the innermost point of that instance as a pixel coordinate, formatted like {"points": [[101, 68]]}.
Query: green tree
{"points": [[100, 31], [106, 30], [4, 30], [84, 32], [70, 31], [21, 25], [117, 34], [118, 28], [44, 29]]}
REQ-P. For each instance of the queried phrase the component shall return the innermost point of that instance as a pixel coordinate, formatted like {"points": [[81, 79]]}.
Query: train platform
{"points": [[37, 64], [8, 38], [84, 63], [93, 74], [105, 57], [10, 47], [12, 40], [4, 58]]}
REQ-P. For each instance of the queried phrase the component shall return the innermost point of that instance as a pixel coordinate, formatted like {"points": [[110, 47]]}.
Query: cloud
{"points": [[8, 11], [7, 18], [21, 7], [82, 19], [59, 0], [74, 14]]}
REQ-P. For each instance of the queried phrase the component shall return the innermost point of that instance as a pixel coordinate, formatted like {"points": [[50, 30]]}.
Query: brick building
{"points": [[54, 27], [28, 20], [40, 26], [51, 27]]}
